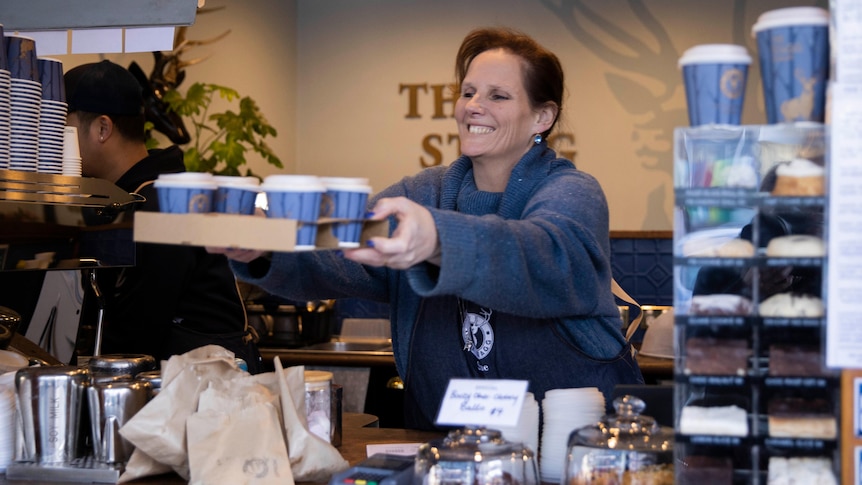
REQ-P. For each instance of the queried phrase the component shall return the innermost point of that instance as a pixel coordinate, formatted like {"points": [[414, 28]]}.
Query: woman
{"points": [[497, 266]]}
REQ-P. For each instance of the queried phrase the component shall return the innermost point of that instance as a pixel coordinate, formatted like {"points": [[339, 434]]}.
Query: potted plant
{"points": [[220, 141]]}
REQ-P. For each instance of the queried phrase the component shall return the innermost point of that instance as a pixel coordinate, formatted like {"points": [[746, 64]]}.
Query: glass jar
{"points": [[318, 407], [627, 447], [475, 456]]}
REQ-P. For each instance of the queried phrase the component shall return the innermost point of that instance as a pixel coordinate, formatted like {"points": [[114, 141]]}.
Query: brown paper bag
{"points": [[159, 428], [231, 439], [312, 458]]}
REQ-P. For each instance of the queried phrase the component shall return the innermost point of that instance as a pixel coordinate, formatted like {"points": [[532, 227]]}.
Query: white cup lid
{"points": [[186, 177], [352, 184], [784, 17], [236, 181], [715, 53], [188, 184], [293, 183]]}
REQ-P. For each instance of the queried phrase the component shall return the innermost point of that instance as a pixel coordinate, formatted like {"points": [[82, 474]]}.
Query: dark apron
{"points": [[453, 338], [242, 343]]}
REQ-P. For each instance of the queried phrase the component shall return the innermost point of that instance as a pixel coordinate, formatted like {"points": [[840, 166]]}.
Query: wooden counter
{"points": [[357, 432], [654, 369]]}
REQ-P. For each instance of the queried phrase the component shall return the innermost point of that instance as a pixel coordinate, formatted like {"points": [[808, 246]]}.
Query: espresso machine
{"points": [[69, 415]]}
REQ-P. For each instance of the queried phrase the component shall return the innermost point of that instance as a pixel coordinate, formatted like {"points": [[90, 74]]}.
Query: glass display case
{"points": [[753, 398]]}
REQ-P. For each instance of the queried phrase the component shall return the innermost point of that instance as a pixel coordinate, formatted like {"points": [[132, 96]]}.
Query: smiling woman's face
{"points": [[496, 123]]}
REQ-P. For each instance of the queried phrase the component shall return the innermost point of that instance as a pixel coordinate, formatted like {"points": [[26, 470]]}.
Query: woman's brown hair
{"points": [[543, 74]]}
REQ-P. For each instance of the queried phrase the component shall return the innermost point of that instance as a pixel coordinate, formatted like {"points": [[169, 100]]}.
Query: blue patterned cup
{"points": [[715, 76], [235, 195], [793, 48], [21, 57], [51, 77], [348, 197], [296, 197], [185, 193]]}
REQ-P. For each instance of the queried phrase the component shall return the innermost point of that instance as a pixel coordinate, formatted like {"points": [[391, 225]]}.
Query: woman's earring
{"points": [[537, 139]]}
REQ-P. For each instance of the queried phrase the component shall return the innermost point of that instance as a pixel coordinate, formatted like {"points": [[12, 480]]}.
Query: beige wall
{"points": [[328, 75], [257, 58]]}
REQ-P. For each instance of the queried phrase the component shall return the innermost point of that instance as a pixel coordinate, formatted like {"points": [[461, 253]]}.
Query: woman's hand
{"points": [[241, 255], [414, 239]]}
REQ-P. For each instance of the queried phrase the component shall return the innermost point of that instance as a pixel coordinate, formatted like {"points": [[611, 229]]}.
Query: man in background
{"points": [[175, 298]]}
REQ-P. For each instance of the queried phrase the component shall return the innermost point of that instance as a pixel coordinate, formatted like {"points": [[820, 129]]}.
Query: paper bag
{"points": [[159, 428], [312, 458], [231, 439], [142, 465]]}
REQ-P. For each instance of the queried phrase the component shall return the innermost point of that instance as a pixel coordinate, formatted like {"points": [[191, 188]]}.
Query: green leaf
{"points": [[222, 140]]}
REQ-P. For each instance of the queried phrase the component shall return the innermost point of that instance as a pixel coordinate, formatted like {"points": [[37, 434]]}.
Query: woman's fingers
{"points": [[413, 241]]}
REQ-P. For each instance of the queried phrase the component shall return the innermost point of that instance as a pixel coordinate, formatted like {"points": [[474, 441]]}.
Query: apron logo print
{"points": [[478, 335]]}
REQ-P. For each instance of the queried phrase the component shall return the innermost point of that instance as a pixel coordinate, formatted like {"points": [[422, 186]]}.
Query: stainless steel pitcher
{"points": [[112, 404], [50, 400]]}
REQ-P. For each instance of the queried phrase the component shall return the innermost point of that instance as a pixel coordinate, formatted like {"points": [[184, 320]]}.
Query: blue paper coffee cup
{"points": [[51, 77], [21, 57], [185, 193], [348, 197], [793, 49], [295, 197], [4, 63], [235, 195], [715, 76]]}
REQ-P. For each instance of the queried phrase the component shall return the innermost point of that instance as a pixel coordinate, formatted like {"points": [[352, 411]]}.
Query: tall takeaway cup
{"points": [[296, 197], [348, 197], [715, 76], [50, 401], [793, 48]]}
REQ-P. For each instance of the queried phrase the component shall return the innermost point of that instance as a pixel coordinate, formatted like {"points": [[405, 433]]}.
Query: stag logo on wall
{"points": [[641, 72]]}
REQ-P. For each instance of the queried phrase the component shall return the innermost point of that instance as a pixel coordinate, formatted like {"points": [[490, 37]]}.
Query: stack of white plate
{"points": [[527, 429], [52, 122], [563, 411], [8, 424], [5, 117], [52, 116], [26, 102]]}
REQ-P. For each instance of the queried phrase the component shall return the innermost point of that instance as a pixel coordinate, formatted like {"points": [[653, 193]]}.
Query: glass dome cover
{"points": [[626, 447], [475, 456], [628, 429]]}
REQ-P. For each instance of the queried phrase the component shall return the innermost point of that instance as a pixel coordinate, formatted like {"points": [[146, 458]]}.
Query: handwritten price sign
{"points": [[482, 402]]}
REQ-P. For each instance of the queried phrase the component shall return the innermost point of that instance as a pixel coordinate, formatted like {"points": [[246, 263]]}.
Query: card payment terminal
{"points": [[379, 469]]}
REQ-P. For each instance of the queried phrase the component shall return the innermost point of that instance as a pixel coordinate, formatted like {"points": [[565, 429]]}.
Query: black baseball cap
{"points": [[103, 88]]}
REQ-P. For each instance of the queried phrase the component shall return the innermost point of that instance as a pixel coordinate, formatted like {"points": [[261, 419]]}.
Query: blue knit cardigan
{"points": [[544, 253]]}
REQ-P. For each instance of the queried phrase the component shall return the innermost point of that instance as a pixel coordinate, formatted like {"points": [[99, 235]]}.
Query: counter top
{"points": [[365, 358]]}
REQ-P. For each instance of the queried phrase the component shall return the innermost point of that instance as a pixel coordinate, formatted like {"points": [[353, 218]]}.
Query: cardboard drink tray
{"points": [[238, 231]]}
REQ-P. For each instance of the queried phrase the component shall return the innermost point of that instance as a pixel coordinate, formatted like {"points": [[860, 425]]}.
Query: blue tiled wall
{"points": [[642, 266]]}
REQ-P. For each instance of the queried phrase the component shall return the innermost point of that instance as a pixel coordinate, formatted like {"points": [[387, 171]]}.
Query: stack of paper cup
{"points": [[348, 197], [26, 101], [52, 116], [5, 105], [563, 411], [296, 197], [527, 429], [71, 152]]}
